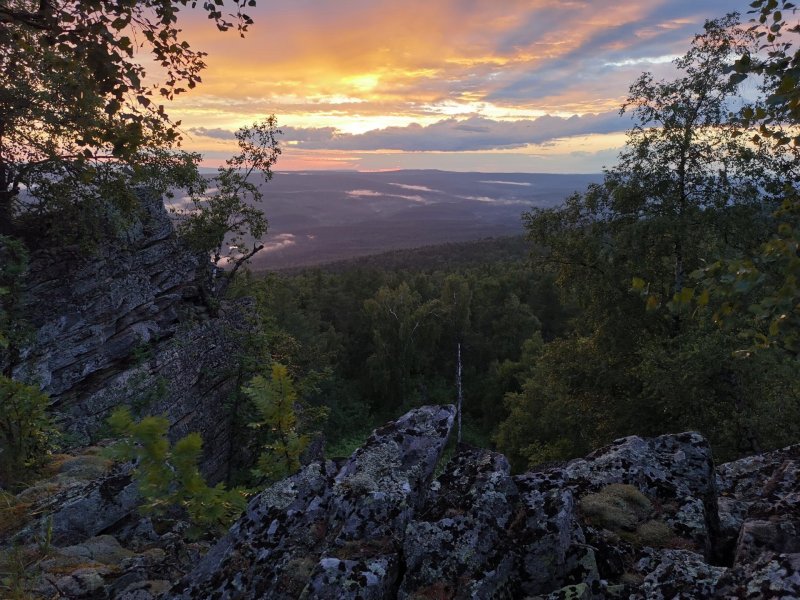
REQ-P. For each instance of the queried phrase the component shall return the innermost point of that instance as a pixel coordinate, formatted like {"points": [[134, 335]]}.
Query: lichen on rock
{"points": [[635, 520]]}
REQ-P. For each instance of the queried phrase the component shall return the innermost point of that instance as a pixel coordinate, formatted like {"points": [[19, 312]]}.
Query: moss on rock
{"points": [[616, 507]]}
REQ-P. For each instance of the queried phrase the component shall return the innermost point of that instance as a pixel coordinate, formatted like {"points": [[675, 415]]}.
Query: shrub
{"points": [[26, 431], [616, 507], [168, 476], [625, 511], [281, 443]]}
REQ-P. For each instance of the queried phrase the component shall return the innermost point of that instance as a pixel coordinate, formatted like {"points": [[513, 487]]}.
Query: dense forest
{"points": [[374, 337]]}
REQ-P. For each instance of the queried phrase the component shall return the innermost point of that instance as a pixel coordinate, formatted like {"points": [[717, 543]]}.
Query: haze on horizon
{"points": [[456, 85]]}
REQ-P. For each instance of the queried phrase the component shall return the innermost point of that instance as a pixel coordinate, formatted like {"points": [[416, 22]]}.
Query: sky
{"points": [[458, 85]]}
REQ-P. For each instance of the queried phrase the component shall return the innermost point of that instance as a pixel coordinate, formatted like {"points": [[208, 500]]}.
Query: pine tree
{"points": [[168, 476], [275, 401]]}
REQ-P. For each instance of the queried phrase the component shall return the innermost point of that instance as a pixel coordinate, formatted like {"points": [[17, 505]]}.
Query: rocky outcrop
{"points": [[329, 531], [636, 519], [189, 378], [91, 308], [127, 324], [760, 510], [641, 519]]}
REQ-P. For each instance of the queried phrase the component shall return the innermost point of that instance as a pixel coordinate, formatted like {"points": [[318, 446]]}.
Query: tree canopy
{"points": [[75, 96], [692, 187], [758, 290]]}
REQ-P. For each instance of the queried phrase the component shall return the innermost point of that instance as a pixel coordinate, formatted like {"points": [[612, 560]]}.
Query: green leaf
{"points": [[703, 299]]}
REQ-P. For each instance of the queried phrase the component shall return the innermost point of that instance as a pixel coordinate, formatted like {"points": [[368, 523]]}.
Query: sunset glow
{"points": [[450, 84]]}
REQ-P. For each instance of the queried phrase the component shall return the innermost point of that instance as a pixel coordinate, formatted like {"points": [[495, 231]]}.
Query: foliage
{"points": [[624, 510], [168, 475], [13, 264], [317, 325], [780, 68], [689, 186], [758, 290], [75, 95], [228, 216], [686, 183], [344, 447], [282, 444], [401, 323], [26, 431]]}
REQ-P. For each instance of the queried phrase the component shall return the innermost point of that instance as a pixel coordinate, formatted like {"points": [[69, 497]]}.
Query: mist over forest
{"points": [[319, 216]]}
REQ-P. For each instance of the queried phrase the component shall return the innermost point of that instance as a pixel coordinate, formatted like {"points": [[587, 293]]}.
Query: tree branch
{"points": [[37, 20], [229, 276]]}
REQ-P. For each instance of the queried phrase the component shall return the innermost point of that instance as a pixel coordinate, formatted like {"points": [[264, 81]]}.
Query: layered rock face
{"points": [[640, 519], [127, 324]]}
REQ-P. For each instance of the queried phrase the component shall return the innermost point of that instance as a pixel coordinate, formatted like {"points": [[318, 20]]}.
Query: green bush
{"points": [[26, 431], [281, 441], [168, 476]]}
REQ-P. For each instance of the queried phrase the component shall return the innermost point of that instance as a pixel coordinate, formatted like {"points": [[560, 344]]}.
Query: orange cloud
{"points": [[361, 65]]}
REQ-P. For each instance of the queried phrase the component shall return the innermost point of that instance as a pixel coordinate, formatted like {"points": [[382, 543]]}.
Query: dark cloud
{"points": [[453, 135], [309, 135], [599, 61], [217, 133]]}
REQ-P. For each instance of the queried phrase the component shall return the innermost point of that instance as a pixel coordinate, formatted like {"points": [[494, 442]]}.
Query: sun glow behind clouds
{"points": [[348, 69]]}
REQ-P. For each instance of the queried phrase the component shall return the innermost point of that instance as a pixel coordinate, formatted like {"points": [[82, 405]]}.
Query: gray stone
{"points": [[90, 309], [82, 583], [459, 533], [677, 574], [676, 470], [329, 532], [760, 504], [759, 536], [376, 526], [770, 577], [104, 549], [127, 324], [82, 511], [144, 590]]}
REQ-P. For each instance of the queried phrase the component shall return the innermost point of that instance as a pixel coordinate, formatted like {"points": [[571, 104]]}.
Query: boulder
{"points": [[374, 528], [458, 538], [80, 511], [760, 505], [329, 531], [635, 520], [770, 577], [677, 574], [677, 471]]}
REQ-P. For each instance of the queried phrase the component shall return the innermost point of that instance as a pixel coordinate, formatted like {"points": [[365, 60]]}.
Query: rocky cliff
{"points": [[127, 324], [638, 519]]}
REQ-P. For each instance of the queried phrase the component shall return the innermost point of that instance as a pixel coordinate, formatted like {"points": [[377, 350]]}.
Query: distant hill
{"points": [[322, 216], [448, 256]]}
